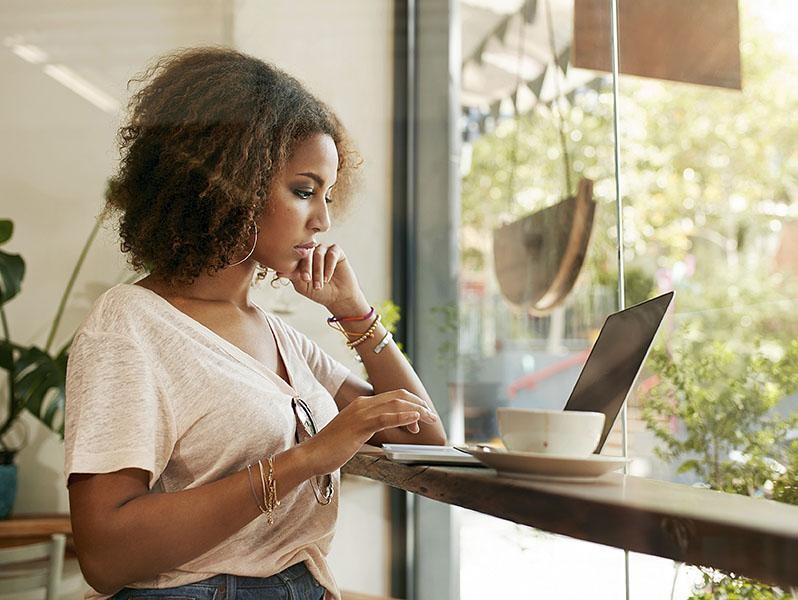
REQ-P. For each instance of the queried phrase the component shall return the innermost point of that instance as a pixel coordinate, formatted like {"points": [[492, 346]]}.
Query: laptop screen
{"points": [[615, 360]]}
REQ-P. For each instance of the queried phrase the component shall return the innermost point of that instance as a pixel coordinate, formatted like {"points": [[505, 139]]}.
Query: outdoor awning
{"points": [[506, 46], [509, 50]]}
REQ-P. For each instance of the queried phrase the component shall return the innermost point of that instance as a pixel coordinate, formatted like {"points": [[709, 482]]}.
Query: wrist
{"points": [[307, 458], [354, 307]]}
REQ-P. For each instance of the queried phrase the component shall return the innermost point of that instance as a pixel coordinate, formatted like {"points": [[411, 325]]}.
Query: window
{"points": [[708, 178]]}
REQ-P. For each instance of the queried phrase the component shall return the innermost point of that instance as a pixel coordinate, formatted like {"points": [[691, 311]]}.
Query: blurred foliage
{"points": [[390, 314], [639, 285], [730, 586], [725, 401]]}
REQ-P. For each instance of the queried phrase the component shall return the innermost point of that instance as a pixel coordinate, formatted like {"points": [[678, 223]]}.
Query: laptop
{"points": [[603, 384]]}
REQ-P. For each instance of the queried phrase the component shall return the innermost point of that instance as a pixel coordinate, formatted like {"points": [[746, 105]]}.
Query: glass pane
{"points": [[709, 178], [534, 128]]}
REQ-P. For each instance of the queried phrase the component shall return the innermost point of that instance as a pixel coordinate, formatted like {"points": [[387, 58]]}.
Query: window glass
{"points": [[538, 264], [708, 176]]}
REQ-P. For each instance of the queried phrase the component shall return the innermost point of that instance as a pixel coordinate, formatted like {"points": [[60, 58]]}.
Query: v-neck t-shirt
{"points": [[149, 387]]}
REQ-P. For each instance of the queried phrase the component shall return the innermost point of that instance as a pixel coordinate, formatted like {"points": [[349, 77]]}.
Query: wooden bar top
{"points": [[754, 537], [34, 526]]}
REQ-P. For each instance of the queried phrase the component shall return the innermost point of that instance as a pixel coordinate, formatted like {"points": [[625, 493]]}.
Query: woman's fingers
{"points": [[341, 438], [318, 257], [395, 400], [393, 420], [317, 269], [337, 442], [333, 257], [413, 427]]}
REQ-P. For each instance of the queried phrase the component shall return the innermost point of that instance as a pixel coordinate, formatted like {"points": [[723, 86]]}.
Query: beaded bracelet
{"points": [[366, 335]]}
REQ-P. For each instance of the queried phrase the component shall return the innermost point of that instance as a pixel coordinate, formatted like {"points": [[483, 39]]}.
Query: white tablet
{"points": [[428, 455]]}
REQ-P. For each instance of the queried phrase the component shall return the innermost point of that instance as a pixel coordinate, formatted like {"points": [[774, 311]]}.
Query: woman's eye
{"points": [[304, 194]]}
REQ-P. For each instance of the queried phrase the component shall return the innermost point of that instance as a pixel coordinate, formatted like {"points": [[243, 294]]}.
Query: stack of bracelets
{"points": [[353, 340], [269, 489]]}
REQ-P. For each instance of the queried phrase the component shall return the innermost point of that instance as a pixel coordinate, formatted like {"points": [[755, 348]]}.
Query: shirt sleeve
{"points": [[117, 415]]}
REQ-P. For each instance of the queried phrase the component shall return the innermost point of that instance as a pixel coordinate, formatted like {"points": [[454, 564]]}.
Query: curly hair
{"points": [[205, 137]]}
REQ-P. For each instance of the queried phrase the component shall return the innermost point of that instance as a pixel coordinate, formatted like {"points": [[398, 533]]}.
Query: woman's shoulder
{"points": [[123, 309]]}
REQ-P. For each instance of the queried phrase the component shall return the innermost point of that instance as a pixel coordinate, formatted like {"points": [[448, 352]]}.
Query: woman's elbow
{"points": [[97, 574]]}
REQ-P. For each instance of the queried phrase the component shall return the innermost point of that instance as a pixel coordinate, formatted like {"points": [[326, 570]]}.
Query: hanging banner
{"points": [[677, 40]]}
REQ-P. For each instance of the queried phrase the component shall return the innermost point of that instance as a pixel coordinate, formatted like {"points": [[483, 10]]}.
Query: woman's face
{"points": [[297, 208]]}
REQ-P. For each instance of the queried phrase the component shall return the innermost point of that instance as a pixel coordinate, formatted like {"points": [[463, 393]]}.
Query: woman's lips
{"points": [[303, 250]]}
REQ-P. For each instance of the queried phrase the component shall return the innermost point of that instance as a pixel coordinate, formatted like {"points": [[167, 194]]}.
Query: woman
{"points": [[204, 436]]}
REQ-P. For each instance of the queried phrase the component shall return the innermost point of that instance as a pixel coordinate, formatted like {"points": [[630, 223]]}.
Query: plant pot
{"points": [[8, 488], [538, 257]]}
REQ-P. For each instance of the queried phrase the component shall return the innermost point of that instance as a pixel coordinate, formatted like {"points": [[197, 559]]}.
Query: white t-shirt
{"points": [[149, 387]]}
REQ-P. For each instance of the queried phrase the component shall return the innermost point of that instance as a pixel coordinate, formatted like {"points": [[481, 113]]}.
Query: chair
{"points": [[33, 566]]}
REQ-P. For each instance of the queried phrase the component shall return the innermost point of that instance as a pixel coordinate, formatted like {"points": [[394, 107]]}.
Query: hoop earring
{"points": [[255, 243]]}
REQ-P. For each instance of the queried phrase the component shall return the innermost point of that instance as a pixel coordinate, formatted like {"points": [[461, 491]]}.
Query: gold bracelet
{"points": [[254, 493], [348, 334], [268, 510], [269, 486], [368, 334], [353, 335], [272, 484]]}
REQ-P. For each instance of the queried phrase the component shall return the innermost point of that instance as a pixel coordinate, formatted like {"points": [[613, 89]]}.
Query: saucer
{"points": [[550, 466]]}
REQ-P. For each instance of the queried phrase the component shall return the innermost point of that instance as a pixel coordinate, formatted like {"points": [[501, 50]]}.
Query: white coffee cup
{"points": [[570, 433]]}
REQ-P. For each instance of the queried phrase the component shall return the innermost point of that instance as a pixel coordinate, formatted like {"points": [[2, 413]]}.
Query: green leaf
{"points": [[6, 230], [12, 270], [6, 355], [689, 465], [40, 385]]}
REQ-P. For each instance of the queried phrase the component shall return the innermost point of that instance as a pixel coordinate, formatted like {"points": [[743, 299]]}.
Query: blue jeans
{"points": [[293, 583]]}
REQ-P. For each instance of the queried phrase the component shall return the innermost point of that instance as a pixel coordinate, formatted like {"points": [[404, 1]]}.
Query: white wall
{"points": [[343, 51], [57, 151]]}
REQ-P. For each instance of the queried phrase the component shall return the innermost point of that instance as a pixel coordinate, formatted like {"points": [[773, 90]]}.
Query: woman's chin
{"points": [[285, 267]]}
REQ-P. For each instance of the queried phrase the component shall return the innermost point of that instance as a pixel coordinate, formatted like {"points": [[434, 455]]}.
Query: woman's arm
{"points": [[388, 370], [326, 277], [125, 534]]}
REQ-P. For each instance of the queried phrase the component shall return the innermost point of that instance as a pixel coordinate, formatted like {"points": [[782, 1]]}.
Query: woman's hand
{"points": [[325, 276], [340, 440]]}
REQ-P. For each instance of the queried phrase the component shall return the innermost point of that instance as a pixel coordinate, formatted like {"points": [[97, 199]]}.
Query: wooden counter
{"points": [[26, 529], [749, 536]]}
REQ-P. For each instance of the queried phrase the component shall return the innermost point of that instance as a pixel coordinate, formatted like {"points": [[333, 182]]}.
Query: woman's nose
{"points": [[320, 220]]}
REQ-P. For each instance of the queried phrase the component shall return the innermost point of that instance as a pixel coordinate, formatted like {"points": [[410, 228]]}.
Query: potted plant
{"points": [[36, 377]]}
